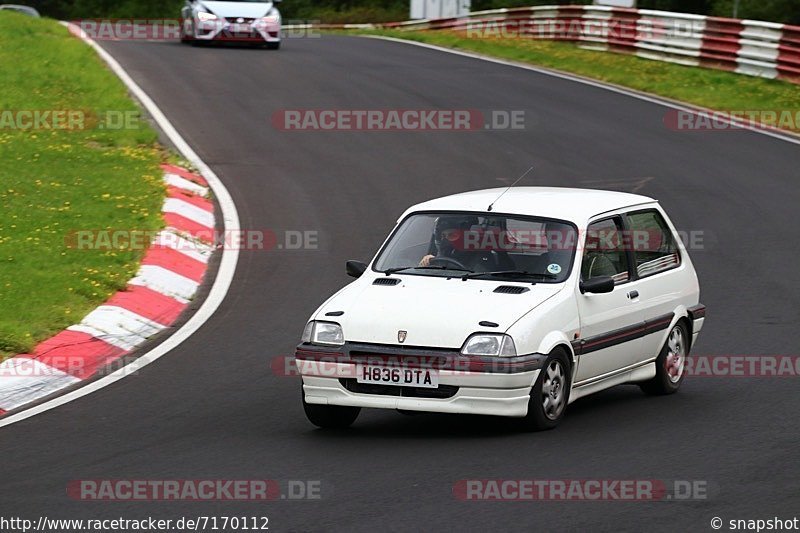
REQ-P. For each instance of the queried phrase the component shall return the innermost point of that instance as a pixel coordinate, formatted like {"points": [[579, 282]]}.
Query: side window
{"points": [[604, 252], [652, 242]]}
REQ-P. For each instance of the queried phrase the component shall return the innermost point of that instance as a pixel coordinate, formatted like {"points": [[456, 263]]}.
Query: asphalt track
{"points": [[213, 408]]}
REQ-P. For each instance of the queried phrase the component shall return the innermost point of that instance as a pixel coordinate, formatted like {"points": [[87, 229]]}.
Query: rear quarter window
{"points": [[654, 247]]}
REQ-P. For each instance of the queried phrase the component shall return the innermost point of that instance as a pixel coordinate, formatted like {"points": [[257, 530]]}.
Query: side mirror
{"points": [[354, 269], [598, 285]]}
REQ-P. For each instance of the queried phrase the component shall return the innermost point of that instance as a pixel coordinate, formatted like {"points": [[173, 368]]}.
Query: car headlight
{"points": [[327, 333], [488, 344], [202, 16], [272, 18]]}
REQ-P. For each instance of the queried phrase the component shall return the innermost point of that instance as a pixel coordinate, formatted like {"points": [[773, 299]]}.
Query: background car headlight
{"points": [[488, 344], [272, 18], [328, 333], [203, 16]]}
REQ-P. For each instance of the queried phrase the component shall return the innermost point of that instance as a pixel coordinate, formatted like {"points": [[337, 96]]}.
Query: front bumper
{"points": [[485, 386], [226, 31], [697, 315]]}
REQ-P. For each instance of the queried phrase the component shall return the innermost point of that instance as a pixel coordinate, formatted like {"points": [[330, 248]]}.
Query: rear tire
{"points": [[670, 364], [274, 46], [550, 394], [329, 416]]}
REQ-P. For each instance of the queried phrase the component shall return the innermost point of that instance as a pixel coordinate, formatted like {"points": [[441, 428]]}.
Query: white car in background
{"points": [[237, 21], [511, 303], [24, 10]]}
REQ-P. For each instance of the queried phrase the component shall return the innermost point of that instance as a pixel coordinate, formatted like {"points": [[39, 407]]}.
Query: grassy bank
{"points": [[714, 89], [99, 174]]}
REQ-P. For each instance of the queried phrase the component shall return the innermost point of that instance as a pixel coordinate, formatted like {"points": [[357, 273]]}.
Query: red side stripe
{"points": [[630, 333], [182, 172], [181, 223], [76, 353], [176, 262], [149, 304], [188, 197]]}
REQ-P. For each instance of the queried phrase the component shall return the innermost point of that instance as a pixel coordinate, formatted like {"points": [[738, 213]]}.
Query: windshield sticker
{"points": [[554, 268]]}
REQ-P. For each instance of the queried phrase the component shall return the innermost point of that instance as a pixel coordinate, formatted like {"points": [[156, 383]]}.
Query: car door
{"points": [[656, 260], [610, 324]]}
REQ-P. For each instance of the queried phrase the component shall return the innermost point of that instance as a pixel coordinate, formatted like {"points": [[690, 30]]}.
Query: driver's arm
{"points": [[426, 261]]}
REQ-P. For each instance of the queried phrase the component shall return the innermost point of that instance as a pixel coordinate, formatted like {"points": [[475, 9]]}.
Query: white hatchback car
{"points": [[238, 21], [506, 302]]}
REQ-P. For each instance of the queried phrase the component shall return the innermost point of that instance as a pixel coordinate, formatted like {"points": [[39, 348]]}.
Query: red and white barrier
{"points": [[170, 274], [748, 47]]}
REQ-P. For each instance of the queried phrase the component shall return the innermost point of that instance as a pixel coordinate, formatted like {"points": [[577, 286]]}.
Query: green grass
{"points": [[713, 89], [53, 182]]}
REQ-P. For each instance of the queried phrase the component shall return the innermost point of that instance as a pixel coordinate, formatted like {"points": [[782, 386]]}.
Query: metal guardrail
{"points": [[748, 47]]}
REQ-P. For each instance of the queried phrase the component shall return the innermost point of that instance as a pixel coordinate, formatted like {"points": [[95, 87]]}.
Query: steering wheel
{"points": [[444, 261]]}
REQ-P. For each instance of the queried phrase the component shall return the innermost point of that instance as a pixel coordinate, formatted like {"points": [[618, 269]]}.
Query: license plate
{"points": [[397, 376], [240, 28]]}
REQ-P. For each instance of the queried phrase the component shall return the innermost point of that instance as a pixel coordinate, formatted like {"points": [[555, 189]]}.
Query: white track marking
{"points": [[600, 85], [26, 380], [118, 326], [187, 210], [195, 249], [166, 282], [227, 267], [183, 183]]}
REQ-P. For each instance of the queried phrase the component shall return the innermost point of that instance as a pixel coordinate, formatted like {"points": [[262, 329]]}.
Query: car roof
{"points": [[17, 7], [573, 205]]}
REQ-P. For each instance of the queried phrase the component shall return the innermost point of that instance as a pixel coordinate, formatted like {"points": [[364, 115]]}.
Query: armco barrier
{"points": [[749, 47]]}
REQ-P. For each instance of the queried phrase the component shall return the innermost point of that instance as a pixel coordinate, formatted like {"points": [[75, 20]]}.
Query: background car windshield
{"points": [[454, 243]]}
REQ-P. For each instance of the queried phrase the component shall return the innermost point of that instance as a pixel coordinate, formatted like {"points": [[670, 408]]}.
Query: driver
{"points": [[447, 231]]}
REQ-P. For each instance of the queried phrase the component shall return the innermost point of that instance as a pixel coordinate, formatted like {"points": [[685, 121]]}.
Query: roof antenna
{"points": [[509, 188]]}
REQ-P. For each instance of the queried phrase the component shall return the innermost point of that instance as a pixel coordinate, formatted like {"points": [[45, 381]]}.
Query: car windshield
{"points": [[481, 246]]}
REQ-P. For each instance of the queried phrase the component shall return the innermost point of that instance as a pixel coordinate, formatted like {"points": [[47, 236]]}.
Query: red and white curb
{"points": [[169, 275]]}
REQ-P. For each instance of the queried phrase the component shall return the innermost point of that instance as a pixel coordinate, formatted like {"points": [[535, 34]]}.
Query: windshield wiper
{"points": [[390, 271], [511, 273]]}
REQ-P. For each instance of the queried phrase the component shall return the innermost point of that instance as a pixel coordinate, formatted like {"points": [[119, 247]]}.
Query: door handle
{"points": [[633, 294]]}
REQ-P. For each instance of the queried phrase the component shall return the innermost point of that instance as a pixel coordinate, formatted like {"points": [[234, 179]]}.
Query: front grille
{"points": [[443, 391], [236, 20]]}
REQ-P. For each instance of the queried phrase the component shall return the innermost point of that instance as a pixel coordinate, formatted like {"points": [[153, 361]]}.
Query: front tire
{"points": [[186, 38], [670, 364], [329, 416], [274, 46], [550, 394]]}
